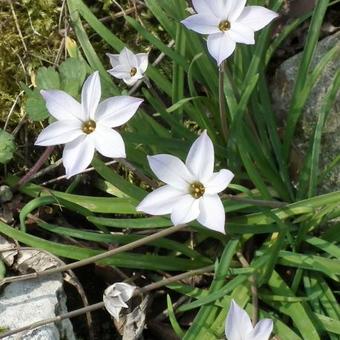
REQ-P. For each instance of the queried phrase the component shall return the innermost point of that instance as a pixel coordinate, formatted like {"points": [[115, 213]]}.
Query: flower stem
{"points": [[153, 184], [221, 97], [36, 167], [153, 91], [96, 258], [100, 305]]}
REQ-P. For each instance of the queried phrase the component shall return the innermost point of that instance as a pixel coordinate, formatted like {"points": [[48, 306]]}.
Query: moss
{"points": [[19, 57]]}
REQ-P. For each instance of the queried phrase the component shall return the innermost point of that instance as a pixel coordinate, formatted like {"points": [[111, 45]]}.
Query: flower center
{"points": [[224, 26], [133, 72], [197, 190], [89, 126]]}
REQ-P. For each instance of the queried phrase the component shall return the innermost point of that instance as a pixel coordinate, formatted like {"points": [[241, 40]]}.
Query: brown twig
{"points": [[152, 183], [59, 318], [64, 176], [96, 258], [17, 25], [36, 167]]}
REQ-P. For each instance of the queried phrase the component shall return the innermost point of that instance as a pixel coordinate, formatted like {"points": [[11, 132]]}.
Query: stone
{"points": [[282, 89], [25, 302]]}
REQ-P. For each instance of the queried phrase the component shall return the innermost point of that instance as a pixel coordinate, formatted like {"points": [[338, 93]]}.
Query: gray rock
{"points": [[282, 88], [25, 302]]}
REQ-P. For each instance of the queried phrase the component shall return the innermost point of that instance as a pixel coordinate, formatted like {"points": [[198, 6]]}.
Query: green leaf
{"points": [[200, 325], [72, 74], [47, 78], [172, 317], [301, 85], [7, 147], [35, 106], [125, 260]]}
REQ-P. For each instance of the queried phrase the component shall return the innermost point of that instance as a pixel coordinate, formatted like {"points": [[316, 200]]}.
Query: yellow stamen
{"points": [[224, 26], [133, 72], [89, 126], [197, 190]]}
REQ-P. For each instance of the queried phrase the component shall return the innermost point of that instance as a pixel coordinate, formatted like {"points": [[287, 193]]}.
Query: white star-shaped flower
{"points": [[238, 325], [87, 126], [116, 296], [227, 22], [128, 66], [191, 190]]}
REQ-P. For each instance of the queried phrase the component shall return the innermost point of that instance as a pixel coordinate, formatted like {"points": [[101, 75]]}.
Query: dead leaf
{"points": [[135, 321]]}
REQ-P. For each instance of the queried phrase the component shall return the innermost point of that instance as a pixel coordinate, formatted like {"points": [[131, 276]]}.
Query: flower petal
{"points": [[161, 201], [202, 23], [212, 213], [109, 142], [61, 105], [127, 57], [133, 80], [60, 132], [171, 170], [121, 71], [256, 17], [185, 210], [200, 159], [143, 61], [90, 95], [233, 9], [262, 330], [114, 59], [114, 297], [218, 181], [238, 324], [210, 7], [241, 34], [126, 290], [78, 155], [117, 110], [220, 46]]}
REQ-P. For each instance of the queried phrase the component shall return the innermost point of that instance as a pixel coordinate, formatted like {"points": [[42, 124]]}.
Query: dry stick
{"points": [[64, 176], [148, 84], [17, 25], [153, 184], [221, 99], [12, 109], [36, 167], [47, 169], [96, 258], [100, 305], [172, 279], [253, 289]]}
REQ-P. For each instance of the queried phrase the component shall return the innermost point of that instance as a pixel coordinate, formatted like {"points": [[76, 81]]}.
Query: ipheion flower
{"points": [[238, 325], [87, 126], [128, 66], [191, 190], [116, 296], [227, 22]]}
